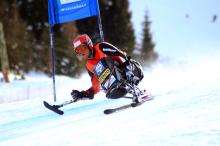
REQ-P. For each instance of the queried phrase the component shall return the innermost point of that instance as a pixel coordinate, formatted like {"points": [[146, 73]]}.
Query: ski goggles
{"points": [[81, 50]]}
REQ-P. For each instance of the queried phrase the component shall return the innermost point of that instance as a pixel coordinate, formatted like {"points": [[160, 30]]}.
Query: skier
{"points": [[130, 70]]}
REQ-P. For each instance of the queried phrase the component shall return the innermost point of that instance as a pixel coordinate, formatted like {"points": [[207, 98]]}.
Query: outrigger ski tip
{"points": [[54, 108]]}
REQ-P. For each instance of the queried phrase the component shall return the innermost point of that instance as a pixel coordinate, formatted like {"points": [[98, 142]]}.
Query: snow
{"points": [[185, 111]]}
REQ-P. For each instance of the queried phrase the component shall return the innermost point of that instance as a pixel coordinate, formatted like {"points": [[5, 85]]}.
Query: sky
{"points": [[181, 17]]}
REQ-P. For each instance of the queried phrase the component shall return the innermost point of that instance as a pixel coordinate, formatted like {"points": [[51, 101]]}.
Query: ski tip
{"points": [[108, 111], [61, 113], [45, 103]]}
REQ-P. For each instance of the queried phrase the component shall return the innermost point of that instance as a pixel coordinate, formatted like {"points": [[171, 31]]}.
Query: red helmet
{"points": [[82, 40]]}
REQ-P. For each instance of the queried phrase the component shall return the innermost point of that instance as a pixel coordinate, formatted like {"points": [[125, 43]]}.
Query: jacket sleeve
{"points": [[113, 52]]}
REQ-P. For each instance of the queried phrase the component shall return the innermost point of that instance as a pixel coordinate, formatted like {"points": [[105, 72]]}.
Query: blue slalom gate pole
{"points": [[53, 64], [100, 23]]}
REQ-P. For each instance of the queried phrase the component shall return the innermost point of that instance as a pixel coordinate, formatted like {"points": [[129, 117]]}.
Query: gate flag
{"points": [[61, 11]]}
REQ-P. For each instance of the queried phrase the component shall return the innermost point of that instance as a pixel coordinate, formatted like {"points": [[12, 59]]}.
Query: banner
{"points": [[61, 11]]}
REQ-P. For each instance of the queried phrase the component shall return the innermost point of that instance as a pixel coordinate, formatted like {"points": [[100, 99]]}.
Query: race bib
{"points": [[101, 71]]}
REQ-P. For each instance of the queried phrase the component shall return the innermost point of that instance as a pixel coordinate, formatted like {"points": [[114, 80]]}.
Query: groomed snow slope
{"points": [[185, 111]]}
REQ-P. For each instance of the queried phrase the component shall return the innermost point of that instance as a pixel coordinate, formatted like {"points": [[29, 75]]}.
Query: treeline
{"points": [[26, 33]]}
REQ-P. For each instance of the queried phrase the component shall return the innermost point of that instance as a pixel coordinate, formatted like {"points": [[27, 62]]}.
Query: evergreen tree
{"points": [[117, 24], [147, 49], [35, 19], [34, 14], [27, 34], [16, 36], [65, 60]]}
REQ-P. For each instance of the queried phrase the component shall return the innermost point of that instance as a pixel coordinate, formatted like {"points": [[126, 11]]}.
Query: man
{"points": [[85, 50]]}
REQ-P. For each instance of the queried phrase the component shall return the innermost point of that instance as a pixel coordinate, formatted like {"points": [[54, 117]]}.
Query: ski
{"points": [[123, 107], [54, 108]]}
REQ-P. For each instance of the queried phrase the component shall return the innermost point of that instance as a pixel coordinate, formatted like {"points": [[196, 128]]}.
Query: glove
{"points": [[76, 95]]}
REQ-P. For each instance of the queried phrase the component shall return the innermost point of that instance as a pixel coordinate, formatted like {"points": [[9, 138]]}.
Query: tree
{"points": [[117, 24], [33, 12], [16, 35], [147, 48], [65, 61], [34, 15], [27, 35], [4, 55]]}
